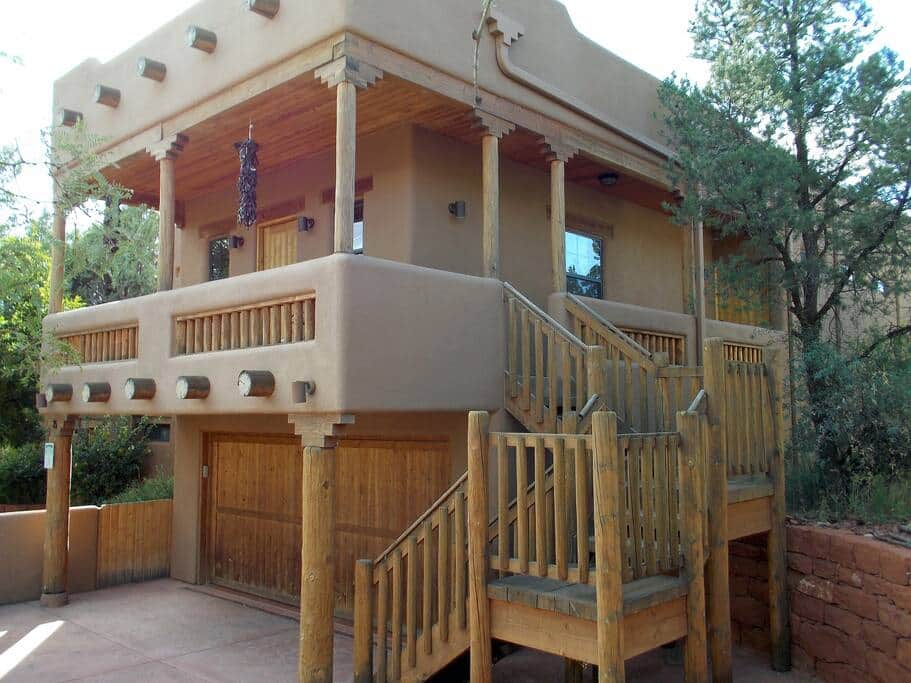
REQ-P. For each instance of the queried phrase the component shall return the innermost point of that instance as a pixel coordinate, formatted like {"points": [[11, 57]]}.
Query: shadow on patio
{"points": [[166, 631]]}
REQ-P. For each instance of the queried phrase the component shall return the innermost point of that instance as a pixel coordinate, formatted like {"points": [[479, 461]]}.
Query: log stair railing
{"points": [[550, 373]]}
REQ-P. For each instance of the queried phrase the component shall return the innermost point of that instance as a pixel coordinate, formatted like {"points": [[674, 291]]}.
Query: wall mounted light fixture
{"points": [[305, 223], [457, 208], [237, 241], [608, 179]]}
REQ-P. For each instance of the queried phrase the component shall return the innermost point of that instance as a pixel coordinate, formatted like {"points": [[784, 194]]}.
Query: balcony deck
{"points": [[372, 335]]}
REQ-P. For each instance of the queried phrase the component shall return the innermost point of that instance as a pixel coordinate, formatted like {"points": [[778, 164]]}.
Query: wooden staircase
{"points": [[598, 536]]}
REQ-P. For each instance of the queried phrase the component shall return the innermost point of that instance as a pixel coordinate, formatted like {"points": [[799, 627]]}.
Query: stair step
{"points": [[578, 600]]}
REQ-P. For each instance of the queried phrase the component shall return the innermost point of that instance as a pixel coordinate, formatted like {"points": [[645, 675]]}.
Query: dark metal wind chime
{"points": [[246, 181]]}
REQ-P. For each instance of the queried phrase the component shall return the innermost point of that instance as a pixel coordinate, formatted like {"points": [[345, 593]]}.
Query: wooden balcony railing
{"points": [[742, 353], [751, 438], [674, 345], [280, 321], [102, 346]]}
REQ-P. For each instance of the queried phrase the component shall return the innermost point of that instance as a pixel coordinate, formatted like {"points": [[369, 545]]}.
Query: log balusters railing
{"points": [[630, 369], [550, 374], [280, 321], [102, 346], [416, 596]]}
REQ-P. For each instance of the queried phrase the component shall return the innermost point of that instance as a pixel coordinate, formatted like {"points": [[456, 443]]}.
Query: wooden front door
{"points": [[253, 530], [276, 245]]}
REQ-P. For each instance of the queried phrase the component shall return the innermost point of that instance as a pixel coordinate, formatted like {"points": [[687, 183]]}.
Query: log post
{"points": [[165, 153], [345, 157], [774, 360], [57, 514], [317, 565], [608, 558], [699, 267], [58, 252], [363, 622], [558, 153], [717, 579], [692, 495], [346, 75], [493, 128], [478, 605]]}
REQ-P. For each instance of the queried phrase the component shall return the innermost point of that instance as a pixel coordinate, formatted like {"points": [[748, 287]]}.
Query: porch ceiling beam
{"points": [[602, 146]]}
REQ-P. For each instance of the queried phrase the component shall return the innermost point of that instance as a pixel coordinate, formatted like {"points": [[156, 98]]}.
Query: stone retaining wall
{"points": [[850, 603]]}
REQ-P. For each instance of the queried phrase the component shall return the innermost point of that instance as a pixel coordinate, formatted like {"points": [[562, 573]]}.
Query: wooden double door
{"points": [[252, 521]]}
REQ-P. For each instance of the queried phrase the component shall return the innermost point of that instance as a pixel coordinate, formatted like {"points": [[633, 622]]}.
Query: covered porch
{"points": [[165, 630]]}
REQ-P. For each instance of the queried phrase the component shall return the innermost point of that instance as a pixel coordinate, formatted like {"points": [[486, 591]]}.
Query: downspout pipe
{"points": [[505, 31]]}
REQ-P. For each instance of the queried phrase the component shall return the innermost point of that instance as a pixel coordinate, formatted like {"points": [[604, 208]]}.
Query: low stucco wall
{"points": [[850, 603], [22, 544], [389, 337]]}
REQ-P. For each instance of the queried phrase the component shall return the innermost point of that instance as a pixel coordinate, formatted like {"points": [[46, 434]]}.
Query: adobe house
{"points": [[318, 367]]}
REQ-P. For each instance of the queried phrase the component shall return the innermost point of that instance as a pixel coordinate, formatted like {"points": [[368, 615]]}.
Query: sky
{"points": [[50, 37]]}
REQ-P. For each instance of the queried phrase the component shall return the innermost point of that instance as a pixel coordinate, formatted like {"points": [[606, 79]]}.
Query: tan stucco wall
{"points": [[389, 337], [436, 33], [22, 546], [189, 443], [384, 157]]}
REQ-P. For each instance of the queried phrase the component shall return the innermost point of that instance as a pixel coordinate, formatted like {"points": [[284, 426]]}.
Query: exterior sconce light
{"points": [[149, 68], [305, 224], [201, 39], [300, 391], [237, 241], [68, 117], [109, 97], [457, 208], [266, 8], [608, 179]]}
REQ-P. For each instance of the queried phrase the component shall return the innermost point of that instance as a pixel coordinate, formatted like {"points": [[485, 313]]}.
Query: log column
{"points": [[346, 75], [558, 154], [318, 435], [699, 292], [317, 565], [57, 515], [58, 252], [493, 128], [165, 153]]}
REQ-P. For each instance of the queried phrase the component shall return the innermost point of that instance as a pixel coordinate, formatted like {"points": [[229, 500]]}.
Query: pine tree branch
{"points": [[891, 335]]}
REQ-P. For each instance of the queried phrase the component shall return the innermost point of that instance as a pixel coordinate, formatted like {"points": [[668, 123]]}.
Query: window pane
{"points": [[583, 264], [359, 226], [359, 236], [576, 285], [219, 258]]}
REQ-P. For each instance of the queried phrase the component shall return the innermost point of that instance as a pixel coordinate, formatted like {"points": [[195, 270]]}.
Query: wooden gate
{"points": [[253, 508]]}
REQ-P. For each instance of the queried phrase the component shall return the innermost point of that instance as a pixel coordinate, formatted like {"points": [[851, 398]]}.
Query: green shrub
{"points": [[22, 479], [159, 487], [107, 458]]}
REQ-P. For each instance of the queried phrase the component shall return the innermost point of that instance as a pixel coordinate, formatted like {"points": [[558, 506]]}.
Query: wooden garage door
{"points": [[253, 533]]}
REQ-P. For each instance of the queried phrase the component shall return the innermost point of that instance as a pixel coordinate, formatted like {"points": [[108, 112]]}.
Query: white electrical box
{"points": [[49, 456]]}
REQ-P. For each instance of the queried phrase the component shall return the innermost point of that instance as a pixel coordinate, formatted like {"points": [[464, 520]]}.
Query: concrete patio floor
{"points": [[165, 631]]}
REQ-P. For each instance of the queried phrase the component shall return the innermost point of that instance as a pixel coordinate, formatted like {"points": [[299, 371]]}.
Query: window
{"points": [[219, 258], [359, 226], [583, 265], [160, 432]]}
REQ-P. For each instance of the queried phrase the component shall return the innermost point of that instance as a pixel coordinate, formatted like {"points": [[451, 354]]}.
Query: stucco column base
{"points": [[55, 599]]}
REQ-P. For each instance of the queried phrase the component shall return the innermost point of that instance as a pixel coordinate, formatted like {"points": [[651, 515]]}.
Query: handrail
{"points": [[569, 336], [635, 348], [439, 502], [698, 404]]}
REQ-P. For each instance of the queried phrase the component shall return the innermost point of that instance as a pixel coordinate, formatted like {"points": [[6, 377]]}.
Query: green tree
{"points": [[801, 143], [115, 258]]}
